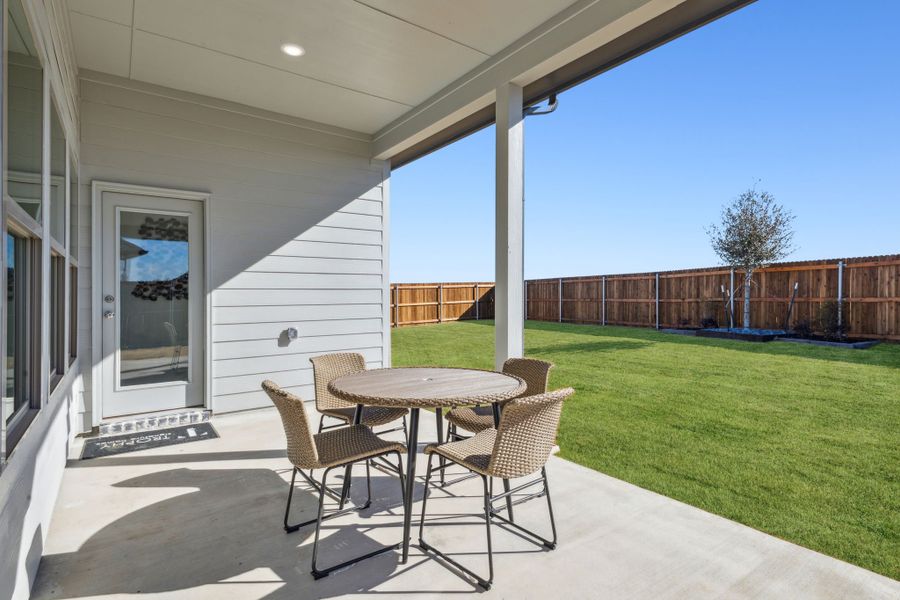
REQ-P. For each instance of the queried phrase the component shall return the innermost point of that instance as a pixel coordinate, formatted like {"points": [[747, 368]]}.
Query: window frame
{"points": [[49, 290], [27, 286], [57, 298]]}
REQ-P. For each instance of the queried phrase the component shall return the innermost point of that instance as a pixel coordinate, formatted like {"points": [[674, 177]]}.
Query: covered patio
{"points": [[247, 149], [203, 520]]}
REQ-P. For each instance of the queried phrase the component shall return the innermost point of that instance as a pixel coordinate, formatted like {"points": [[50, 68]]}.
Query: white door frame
{"points": [[97, 189]]}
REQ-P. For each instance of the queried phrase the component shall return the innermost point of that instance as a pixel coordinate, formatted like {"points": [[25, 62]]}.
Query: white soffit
{"points": [[367, 62]]}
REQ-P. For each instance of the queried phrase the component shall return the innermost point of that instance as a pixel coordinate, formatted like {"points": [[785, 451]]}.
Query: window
{"points": [[22, 198], [21, 397], [73, 313], [40, 235], [57, 318], [57, 178], [73, 261], [25, 105], [73, 212]]}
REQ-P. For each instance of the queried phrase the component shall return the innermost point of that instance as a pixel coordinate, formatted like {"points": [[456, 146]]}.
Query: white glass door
{"points": [[152, 303]]}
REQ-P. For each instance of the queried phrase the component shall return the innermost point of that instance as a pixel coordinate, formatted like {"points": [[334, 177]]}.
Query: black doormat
{"points": [[131, 442]]}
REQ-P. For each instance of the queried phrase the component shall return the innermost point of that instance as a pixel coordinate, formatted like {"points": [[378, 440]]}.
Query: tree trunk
{"points": [[748, 280]]}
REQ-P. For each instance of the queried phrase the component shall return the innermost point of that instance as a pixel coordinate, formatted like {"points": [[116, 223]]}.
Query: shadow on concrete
{"points": [[222, 525]]}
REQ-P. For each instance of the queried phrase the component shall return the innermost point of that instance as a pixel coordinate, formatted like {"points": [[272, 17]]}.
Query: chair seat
{"points": [[349, 444], [373, 416], [473, 453], [472, 418]]}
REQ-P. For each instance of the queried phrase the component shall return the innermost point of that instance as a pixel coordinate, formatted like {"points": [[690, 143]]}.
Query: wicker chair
{"points": [[518, 448], [331, 366], [328, 450], [478, 418]]}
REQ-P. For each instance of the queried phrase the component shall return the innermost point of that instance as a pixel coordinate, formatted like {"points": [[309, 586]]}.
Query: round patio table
{"points": [[424, 387]]}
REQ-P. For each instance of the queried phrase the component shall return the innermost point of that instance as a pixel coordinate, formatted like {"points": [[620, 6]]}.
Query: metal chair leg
{"points": [[552, 544], [425, 499], [439, 421], [348, 473], [288, 528], [495, 513], [319, 523], [487, 518], [402, 480], [484, 583], [320, 573], [287, 510]]}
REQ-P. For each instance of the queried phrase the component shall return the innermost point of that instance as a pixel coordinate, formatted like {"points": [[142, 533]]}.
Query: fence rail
{"points": [[869, 286]]}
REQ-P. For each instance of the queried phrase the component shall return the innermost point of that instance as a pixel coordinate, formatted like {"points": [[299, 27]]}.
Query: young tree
{"points": [[754, 232]]}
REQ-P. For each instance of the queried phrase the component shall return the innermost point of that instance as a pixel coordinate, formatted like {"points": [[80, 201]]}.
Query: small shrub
{"points": [[711, 312], [803, 329], [709, 323], [833, 320]]}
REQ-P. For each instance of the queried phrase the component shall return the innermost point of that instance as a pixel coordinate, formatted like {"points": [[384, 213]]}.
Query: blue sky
{"points": [[164, 260], [801, 96]]}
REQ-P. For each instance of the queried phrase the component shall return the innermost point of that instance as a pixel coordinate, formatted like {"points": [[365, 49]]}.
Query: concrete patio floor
{"points": [[203, 520]]}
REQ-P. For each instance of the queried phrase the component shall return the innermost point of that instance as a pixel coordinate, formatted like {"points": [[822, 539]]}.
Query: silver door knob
{"points": [[109, 314]]}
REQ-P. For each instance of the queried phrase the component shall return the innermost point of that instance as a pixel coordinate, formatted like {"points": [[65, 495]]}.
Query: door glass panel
{"points": [[153, 298]]}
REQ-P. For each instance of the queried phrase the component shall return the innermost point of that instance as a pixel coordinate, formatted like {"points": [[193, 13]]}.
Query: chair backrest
{"points": [[526, 434], [535, 372], [329, 367], [301, 446]]}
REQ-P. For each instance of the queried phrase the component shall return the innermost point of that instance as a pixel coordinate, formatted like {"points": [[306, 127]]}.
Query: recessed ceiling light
{"points": [[293, 50]]}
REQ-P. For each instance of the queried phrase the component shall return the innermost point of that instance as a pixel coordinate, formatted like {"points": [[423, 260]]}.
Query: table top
{"points": [[426, 387]]}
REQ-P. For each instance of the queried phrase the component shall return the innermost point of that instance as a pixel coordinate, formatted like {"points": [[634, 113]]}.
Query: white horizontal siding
{"points": [[268, 331], [275, 347], [301, 375], [232, 315], [296, 227], [260, 297], [298, 281], [273, 365]]}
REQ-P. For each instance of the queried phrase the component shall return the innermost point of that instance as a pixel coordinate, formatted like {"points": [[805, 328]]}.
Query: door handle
{"points": [[108, 314]]}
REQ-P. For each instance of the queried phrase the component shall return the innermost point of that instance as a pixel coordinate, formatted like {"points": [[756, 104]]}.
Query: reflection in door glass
{"points": [[153, 298]]}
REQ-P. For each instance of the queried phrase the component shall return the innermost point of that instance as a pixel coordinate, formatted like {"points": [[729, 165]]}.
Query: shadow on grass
{"points": [[602, 346], [886, 354]]}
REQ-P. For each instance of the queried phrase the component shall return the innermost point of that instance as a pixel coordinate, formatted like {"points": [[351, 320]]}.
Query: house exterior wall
{"points": [[297, 228], [30, 474]]}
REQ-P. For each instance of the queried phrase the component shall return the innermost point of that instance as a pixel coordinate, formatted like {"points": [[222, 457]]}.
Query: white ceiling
{"points": [[367, 62]]}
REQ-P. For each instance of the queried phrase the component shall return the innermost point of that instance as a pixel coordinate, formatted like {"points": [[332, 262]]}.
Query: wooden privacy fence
{"points": [[418, 303], [869, 287]]}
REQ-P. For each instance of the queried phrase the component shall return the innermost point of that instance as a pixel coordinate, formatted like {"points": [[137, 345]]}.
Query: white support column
{"points": [[509, 251]]}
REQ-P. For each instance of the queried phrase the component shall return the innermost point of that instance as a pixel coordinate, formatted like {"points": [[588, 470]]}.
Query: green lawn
{"points": [[798, 441]]}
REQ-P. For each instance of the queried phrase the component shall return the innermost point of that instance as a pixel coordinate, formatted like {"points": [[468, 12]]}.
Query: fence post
{"points": [[560, 299], [657, 300], [440, 292], [603, 302], [731, 302], [477, 315], [840, 295], [397, 305]]}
